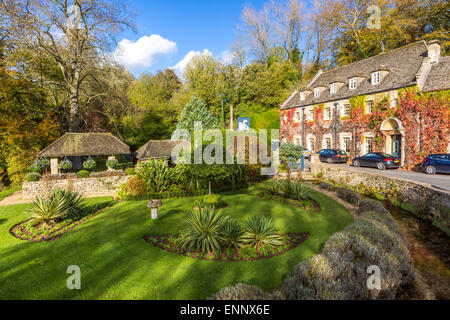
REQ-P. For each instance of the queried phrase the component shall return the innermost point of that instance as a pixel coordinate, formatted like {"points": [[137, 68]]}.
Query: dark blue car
{"points": [[437, 163], [378, 160]]}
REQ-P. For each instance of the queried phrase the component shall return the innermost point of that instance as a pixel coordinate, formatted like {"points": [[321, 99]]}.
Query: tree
{"points": [[76, 36], [194, 111]]}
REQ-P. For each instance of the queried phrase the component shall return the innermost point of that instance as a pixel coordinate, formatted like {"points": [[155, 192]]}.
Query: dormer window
{"points": [[376, 78], [333, 88], [302, 97], [316, 92], [352, 83]]}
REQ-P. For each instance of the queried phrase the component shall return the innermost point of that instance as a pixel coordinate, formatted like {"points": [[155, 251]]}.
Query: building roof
{"points": [[439, 76], [403, 64], [85, 144], [156, 149]]}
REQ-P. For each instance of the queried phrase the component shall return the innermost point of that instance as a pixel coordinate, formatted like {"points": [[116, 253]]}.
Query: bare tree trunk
{"points": [[74, 119]]}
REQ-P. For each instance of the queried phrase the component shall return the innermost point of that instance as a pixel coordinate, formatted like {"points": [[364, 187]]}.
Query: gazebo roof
{"points": [[156, 149], [85, 144]]}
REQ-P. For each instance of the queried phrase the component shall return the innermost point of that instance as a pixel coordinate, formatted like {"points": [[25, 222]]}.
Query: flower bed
{"points": [[37, 232], [170, 243]]}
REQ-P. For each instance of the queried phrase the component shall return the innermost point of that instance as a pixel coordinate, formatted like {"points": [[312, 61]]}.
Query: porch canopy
{"points": [[83, 144], [156, 149]]}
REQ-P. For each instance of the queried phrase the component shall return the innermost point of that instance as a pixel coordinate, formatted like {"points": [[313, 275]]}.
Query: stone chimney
{"points": [[434, 50]]}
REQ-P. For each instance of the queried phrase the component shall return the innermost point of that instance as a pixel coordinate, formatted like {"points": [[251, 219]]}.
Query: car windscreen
{"points": [[341, 152]]}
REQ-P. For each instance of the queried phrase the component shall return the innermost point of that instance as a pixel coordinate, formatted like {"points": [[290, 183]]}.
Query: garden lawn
{"points": [[9, 191], [116, 263]]}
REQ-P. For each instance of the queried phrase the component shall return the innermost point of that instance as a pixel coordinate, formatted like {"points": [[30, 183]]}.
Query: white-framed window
{"points": [[346, 110], [310, 114], [369, 106], [352, 83], [311, 142], [347, 144], [368, 141], [333, 88], [316, 92], [327, 143], [327, 113], [297, 140], [376, 78], [297, 116]]}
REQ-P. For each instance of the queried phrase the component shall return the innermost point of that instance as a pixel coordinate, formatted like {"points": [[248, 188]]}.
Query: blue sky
{"points": [[180, 29]]}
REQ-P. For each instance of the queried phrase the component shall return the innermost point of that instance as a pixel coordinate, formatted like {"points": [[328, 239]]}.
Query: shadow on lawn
{"points": [[3, 221]]}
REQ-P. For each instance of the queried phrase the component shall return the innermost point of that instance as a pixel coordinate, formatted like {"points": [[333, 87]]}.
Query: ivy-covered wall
{"points": [[425, 118]]}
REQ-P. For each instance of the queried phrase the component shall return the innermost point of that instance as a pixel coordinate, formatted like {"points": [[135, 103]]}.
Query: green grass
{"points": [[116, 263], [9, 191]]}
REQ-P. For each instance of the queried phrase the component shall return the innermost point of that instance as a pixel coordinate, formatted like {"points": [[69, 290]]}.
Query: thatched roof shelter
{"points": [[85, 144], [156, 149]]}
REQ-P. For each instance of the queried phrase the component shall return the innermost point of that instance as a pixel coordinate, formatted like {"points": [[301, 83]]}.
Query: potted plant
{"points": [[40, 165], [65, 165], [112, 163], [89, 164]]}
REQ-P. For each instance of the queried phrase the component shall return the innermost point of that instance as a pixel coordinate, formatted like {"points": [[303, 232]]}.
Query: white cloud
{"points": [[181, 66], [140, 55], [226, 57]]}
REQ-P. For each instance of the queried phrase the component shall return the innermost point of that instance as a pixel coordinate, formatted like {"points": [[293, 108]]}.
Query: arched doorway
{"points": [[393, 130]]}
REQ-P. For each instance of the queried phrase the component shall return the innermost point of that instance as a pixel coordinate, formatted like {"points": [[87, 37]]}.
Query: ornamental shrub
{"points": [[31, 177], [348, 195], [214, 200], [130, 171], [290, 150], [135, 186], [83, 174], [241, 291], [260, 232]]}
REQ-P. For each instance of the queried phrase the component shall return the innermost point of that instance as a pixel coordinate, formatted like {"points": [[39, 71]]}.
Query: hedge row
{"points": [[340, 271]]}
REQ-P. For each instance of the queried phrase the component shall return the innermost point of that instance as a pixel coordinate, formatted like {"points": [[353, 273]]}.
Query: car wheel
{"points": [[356, 163], [330, 161], [381, 166], [430, 169]]}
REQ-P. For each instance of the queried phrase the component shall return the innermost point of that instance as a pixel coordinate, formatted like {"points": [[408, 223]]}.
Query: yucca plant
{"points": [[232, 232], [285, 188], [260, 232], [75, 202], [46, 211], [60, 204], [300, 191], [271, 187], [204, 230]]}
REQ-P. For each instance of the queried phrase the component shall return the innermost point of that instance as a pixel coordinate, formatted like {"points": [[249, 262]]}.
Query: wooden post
{"points": [[54, 166], [231, 118]]}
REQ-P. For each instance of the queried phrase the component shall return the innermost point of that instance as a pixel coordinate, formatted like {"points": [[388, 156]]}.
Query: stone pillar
{"points": [[314, 163], [154, 213], [111, 158], [54, 166]]}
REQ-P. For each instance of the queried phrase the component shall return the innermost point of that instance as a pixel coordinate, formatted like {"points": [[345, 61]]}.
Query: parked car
{"points": [[377, 160], [333, 156], [437, 163]]}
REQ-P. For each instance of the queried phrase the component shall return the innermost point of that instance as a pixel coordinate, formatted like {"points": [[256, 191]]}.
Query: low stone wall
{"points": [[91, 186], [420, 198]]}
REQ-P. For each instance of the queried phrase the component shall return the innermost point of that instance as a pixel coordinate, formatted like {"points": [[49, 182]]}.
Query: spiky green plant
{"points": [[232, 232], [271, 187], [204, 230], [300, 191], [260, 232], [61, 204], [284, 188]]}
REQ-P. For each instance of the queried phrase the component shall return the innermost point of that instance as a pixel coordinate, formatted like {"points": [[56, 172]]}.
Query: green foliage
{"points": [[260, 232], [299, 191], [39, 165], [204, 230], [157, 175], [213, 200], [112, 163], [32, 177], [194, 111], [130, 171], [288, 149], [61, 204], [232, 233], [65, 164], [83, 174], [89, 164]]}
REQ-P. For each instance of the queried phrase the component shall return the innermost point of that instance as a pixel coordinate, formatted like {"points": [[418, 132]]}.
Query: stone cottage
{"points": [[355, 107]]}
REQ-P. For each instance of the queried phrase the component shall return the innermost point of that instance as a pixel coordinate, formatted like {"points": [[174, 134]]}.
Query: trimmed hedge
{"points": [[348, 195], [340, 271], [83, 174], [32, 177]]}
